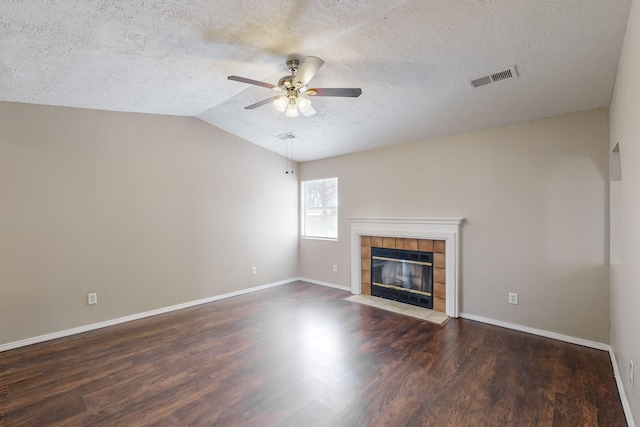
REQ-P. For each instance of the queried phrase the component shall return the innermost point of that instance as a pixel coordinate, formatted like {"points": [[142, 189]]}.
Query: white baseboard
{"points": [[572, 340], [99, 325], [540, 332], [327, 284], [621, 391]]}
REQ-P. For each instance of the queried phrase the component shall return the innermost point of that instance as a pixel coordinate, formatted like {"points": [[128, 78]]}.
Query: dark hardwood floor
{"points": [[299, 355]]}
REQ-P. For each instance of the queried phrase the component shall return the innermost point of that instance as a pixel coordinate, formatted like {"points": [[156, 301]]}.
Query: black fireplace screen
{"points": [[402, 275]]}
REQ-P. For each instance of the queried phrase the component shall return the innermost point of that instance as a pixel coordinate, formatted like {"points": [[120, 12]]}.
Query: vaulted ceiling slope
{"points": [[412, 59]]}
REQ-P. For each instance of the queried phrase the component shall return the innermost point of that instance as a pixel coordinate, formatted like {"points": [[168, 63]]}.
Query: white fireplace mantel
{"points": [[447, 229]]}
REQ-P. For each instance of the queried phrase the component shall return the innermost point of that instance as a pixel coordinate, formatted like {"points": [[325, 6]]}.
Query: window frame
{"points": [[304, 209]]}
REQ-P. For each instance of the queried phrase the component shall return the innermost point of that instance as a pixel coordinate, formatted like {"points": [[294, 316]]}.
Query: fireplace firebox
{"points": [[402, 275]]}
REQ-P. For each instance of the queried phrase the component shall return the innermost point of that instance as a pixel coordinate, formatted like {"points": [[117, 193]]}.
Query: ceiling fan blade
{"points": [[307, 70], [339, 91], [252, 82], [261, 103]]}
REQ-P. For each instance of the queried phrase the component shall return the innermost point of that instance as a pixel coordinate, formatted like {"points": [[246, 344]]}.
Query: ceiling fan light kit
{"points": [[292, 110], [292, 86], [303, 103], [281, 103]]}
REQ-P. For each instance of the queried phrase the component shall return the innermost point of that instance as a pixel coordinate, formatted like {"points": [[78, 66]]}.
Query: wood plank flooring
{"points": [[299, 355]]}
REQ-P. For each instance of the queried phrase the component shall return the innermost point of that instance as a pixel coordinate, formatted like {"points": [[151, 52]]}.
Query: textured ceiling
{"points": [[411, 58]]}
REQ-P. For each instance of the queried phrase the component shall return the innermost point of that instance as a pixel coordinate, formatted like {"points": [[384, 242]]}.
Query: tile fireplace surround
{"points": [[438, 235], [437, 247]]}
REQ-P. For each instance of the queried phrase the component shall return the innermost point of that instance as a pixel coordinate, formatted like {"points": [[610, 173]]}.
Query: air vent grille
{"points": [[506, 74], [481, 81], [496, 76], [287, 136]]}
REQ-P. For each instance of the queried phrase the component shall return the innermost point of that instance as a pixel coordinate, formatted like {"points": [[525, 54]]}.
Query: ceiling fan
{"points": [[293, 86]]}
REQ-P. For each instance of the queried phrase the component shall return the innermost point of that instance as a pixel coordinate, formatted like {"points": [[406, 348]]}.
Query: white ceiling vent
{"points": [[496, 76], [287, 136]]}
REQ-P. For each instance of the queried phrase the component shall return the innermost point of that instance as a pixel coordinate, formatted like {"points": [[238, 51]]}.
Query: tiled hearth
{"points": [[438, 247], [438, 235], [421, 313]]}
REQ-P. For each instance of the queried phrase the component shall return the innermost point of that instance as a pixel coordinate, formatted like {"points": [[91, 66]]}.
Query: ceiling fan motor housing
{"points": [[292, 65], [286, 82]]}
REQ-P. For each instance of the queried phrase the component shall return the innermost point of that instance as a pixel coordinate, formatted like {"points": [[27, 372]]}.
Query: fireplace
{"points": [[441, 236], [402, 275]]}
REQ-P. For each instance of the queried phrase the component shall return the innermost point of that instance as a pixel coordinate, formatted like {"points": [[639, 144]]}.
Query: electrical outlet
{"points": [[631, 371], [92, 299], [254, 270], [513, 298], [335, 268]]}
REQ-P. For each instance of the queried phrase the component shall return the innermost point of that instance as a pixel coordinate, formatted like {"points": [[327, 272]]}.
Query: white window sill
{"points": [[329, 239]]}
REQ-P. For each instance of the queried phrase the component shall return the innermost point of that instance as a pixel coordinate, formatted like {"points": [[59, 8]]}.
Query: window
{"points": [[320, 208]]}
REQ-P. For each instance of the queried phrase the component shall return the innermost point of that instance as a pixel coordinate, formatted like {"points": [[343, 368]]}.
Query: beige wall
{"points": [[625, 212], [148, 211], [534, 196]]}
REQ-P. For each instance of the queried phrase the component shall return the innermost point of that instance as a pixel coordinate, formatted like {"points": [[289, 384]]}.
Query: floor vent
{"points": [[496, 76]]}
